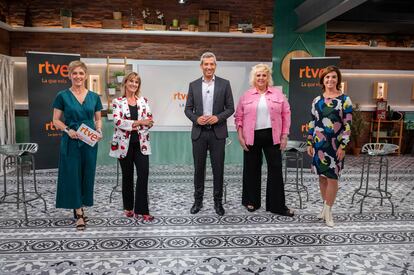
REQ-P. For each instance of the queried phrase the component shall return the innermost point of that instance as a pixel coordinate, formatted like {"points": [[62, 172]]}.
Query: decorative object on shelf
{"points": [[269, 29], [112, 88], [153, 20], [387, 131], [373, 43], [380, 90], [245, 27], [117, 15], [66, 17], [111, 24], [357, 126], [192, 24], [119, 76], [175, 22], [213, 21], [381, 109], [109, 113], [94, 83], [343, 87], [132, 21], [175, 25]]}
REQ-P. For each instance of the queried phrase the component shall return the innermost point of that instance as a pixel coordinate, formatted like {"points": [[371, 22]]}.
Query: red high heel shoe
{"points": [[145, 218], [148, 218], [128, 213]]}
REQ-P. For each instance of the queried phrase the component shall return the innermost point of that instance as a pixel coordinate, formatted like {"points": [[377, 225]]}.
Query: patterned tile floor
{"points": [[240, 242]]}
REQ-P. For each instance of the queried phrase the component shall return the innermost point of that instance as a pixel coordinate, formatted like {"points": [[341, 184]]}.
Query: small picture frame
{"points": [[343, 87], [380, 90], [94, 83]]}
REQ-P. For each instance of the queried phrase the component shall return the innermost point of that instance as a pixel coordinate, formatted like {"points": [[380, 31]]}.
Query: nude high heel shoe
{"points": [[328, 216], [322, 214]]}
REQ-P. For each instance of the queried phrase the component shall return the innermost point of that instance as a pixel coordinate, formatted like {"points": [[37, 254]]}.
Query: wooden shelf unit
{"points": [[392, 128], [121, 66], [213, 21]]}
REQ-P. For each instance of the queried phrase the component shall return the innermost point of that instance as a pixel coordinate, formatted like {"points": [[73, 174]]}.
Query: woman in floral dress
{"points": [[328, 136]]}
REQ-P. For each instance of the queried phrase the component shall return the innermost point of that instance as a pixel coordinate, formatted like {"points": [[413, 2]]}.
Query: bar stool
{"points": [[294, 153], [19, 156], [375, 154], [225, 183]]}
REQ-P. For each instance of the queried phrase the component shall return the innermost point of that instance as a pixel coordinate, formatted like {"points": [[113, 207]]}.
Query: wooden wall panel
{"points": [[143, 46]]}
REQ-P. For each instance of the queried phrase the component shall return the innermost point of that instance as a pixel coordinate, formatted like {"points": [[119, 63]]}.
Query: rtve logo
{"points": [[309, 72], [181, 97], [55, 69]]}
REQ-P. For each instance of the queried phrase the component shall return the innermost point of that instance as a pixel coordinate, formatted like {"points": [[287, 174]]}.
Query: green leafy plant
{"points": [[193, 21], [65, 12], [119, 73], [112, 85], [358, 124]]}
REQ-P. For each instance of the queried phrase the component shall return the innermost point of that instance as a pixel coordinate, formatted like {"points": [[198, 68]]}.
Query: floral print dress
{"points": [[329, 129]]}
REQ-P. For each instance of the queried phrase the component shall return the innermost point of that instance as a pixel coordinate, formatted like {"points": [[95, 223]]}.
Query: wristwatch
{"points": [[66, 130]]}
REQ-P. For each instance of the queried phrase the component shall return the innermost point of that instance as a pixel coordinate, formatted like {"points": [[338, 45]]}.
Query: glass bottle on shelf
{"points": [[132, 19]]}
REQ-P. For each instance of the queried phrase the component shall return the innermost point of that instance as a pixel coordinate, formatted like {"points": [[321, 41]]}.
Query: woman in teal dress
{"points": [[329, 133], [77, 160]]}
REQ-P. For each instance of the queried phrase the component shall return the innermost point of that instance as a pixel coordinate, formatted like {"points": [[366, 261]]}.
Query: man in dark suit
{"points": [[209, 104]]}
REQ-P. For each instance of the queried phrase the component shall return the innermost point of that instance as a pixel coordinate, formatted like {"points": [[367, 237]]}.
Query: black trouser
{"points": [[134, 156], [252, 173], [208, 141]]}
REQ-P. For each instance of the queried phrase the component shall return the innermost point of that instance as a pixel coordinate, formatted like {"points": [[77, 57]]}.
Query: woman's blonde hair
{"points": [[260, 68], [75, 64], [129, 76]]}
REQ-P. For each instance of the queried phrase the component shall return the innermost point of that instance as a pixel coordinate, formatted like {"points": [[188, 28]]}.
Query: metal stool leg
{"points": [[117, 181], [362, 179]]}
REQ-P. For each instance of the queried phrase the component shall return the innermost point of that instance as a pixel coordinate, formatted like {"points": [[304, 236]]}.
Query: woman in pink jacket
{"points": [[262, 121], [131, 145]]}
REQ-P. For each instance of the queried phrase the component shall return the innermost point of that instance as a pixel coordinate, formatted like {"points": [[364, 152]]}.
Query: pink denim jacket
{"points": [[279, 111]]}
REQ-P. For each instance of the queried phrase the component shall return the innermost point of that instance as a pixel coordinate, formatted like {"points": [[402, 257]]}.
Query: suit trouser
{"points": [[141, 162], [252, 173], [208, 141]]}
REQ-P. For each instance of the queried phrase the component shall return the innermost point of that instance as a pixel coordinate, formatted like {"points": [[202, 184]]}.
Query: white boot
{"points": [[328, 216], [322, 214]]}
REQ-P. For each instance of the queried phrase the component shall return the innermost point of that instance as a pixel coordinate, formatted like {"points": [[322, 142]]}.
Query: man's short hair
{"points": [[207, 55]]}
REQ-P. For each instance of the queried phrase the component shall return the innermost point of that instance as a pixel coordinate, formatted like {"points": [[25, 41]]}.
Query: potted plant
{"points": [[66, 17], [119, 75], [112, 88], [357, 126], [153, 20], [109, 113], [192, 23]]}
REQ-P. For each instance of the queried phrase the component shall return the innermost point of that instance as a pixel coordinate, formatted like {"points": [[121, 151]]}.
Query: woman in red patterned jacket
{"points": [[131, 145]]}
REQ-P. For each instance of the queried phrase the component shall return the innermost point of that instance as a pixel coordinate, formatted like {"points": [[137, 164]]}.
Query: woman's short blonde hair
{"points": [[129, 76], [261, 68], [75, 64]]}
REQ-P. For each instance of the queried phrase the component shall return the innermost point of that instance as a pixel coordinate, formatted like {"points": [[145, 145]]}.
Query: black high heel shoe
{"points": [[82, 226], [75, 216]]}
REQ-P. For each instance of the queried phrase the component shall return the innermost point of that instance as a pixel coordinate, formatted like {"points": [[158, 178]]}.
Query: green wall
{"points": [[286, 40]]}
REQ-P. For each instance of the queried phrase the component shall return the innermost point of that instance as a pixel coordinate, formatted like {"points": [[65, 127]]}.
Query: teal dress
{"points": [[77, 160]]}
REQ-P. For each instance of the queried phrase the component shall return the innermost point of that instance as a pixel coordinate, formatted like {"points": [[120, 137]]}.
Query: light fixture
{"points": [[182, 1]]}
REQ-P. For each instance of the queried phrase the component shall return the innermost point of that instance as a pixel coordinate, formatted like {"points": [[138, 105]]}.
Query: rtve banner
{"points": [[303, 88], [47, 74]]}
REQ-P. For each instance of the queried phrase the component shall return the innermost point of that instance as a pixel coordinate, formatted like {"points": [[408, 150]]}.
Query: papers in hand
{"points": [[87, 134]]}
